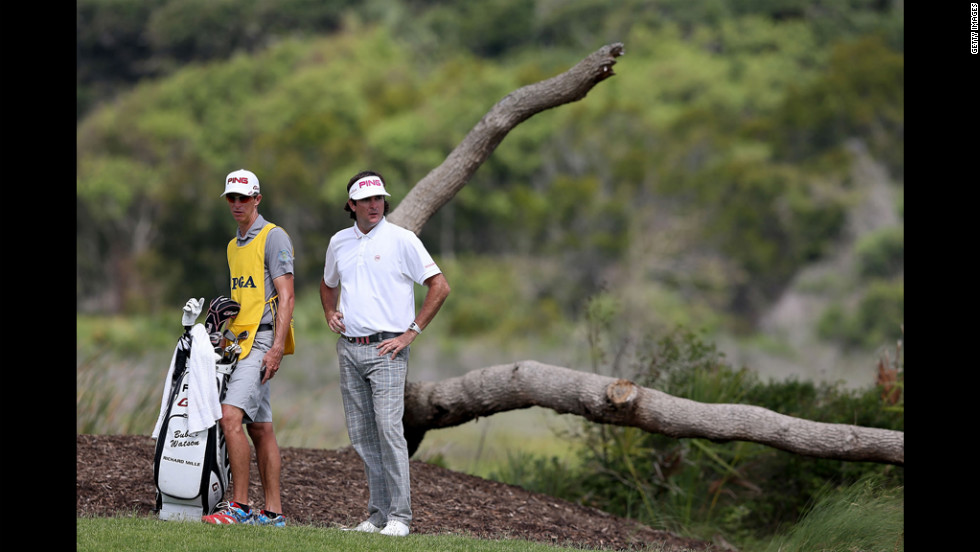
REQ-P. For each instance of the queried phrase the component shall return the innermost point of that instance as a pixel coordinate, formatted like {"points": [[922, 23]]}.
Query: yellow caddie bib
{"points": [[247, 267]]}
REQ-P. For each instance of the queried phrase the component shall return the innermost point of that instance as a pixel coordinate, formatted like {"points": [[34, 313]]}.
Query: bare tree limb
{"points": [[602, 399], [597, 398], [443, 182]]}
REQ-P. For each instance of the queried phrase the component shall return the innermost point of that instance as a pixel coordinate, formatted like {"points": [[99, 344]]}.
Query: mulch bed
{"points": [[328, 488]]}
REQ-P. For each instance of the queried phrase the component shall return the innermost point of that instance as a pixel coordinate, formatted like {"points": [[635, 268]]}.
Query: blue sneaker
{"points": [[229, 513], [265, 517]]}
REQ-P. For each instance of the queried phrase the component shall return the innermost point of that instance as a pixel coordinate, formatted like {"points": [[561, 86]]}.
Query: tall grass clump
{"points": [[863, 516], [744, 491], [120, 367], [117, 396], [122, 364]]}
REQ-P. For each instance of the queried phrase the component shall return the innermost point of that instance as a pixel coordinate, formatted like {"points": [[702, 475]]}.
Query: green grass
{"points": [[149, 534], [863, 516], [859, 517]]}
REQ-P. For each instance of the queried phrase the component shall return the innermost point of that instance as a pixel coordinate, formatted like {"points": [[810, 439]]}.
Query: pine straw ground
{"points": [[327, 488]]}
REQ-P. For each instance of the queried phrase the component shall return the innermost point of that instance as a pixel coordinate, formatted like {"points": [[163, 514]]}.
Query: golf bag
{"points": [[191, 469]]}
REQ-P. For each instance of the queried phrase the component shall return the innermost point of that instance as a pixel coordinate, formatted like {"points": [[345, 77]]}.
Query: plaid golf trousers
{"points": [[373, 391]]}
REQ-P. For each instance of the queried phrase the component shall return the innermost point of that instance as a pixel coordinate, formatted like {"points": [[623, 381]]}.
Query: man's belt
{"points": [[373, 338], [266, 327]]}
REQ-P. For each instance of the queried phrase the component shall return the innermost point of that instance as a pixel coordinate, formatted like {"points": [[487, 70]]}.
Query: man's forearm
{"points": [[438, 291], [328, 299], [284, 311]]}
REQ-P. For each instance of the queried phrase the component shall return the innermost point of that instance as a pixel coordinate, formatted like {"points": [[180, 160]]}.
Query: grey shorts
{"points": [[244, 389]]}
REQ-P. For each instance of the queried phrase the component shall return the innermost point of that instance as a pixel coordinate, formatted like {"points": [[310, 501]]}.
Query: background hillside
{"points": [[743, 173]]}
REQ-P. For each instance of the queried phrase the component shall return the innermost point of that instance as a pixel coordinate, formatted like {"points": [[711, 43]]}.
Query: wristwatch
{"points": [[415, 327]]}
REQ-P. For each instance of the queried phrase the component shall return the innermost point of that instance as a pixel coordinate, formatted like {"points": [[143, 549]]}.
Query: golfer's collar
{"points": [[374, 231]]}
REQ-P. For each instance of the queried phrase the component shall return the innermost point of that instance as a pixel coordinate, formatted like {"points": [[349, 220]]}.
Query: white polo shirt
{"points": [[377, 273]]}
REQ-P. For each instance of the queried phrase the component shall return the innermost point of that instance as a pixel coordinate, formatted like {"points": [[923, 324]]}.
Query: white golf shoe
{"points": [[395, 529], [365, 527]]}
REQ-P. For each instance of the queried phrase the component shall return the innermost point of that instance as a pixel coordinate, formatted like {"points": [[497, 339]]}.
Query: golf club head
{"points": [[221, 310]]}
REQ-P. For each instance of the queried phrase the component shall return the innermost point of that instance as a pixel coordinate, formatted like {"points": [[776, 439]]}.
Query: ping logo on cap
{"points": [[367, 187], [368, 182]]}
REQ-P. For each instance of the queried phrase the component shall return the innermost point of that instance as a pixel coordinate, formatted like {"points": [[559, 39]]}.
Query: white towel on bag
{"points": [[203, 403]]}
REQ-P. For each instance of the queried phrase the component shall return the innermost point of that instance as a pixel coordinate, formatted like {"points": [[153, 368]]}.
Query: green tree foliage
{"points": [[877, 314], [882, 254], [120, 42], [858, 96], [110, 48], [730, 114]]}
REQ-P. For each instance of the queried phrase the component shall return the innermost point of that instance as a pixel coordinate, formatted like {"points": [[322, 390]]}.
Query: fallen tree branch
{"points": [[607, 400]]}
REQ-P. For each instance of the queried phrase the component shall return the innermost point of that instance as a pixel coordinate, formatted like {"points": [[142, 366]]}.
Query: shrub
{"points": [[881, 254], [745, 489]]}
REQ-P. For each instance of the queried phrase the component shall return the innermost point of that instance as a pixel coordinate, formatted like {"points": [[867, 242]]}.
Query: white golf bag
{"points": [[191, 469]]}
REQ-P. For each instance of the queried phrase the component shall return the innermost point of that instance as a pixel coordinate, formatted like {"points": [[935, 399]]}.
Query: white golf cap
{"points": [[368, 186], [241, 182]]}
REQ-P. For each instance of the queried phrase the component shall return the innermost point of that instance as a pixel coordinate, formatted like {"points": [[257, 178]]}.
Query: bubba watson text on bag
{"points": [[191, 470]]}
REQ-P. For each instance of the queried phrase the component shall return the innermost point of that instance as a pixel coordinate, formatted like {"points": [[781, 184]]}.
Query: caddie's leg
{"points": [[270, 462], [239, 452]]}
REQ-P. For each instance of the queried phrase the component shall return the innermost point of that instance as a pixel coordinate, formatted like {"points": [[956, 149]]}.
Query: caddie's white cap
{"points": [[241, 182], [367, 187]]}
